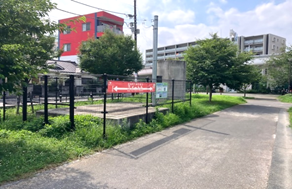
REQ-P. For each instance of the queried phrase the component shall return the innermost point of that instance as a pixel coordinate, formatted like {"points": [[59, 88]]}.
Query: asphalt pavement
{"points": [[246, 146]]}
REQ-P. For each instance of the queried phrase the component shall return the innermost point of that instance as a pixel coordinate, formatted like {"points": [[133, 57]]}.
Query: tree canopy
{"points": [[26, 41], [216, 61], [111, 54], [280, 69]]}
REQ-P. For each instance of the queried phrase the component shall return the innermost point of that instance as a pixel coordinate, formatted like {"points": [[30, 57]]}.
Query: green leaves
{"points": [[216, 61], [26, 42], [111, 54], [279, 68]]}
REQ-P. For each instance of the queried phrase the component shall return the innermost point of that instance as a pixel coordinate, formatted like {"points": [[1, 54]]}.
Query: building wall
{"points": [[276, 43], [266, 44], [168, 52], [172, 69], [77, 36]]}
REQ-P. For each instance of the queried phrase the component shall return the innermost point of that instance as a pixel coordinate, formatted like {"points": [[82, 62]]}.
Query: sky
{"points": [[181, 21]]}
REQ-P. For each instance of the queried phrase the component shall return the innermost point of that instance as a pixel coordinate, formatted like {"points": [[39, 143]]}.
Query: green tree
{"points": [[26, 41], [243, 75], [111, 54], [216, 61], [279, 68]]}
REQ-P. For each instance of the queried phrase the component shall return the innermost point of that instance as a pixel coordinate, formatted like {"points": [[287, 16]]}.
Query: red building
{"points": [[94, 27]]}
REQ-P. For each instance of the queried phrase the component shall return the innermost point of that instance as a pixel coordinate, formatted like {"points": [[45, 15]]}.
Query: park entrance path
{"points": [[234, 148]]}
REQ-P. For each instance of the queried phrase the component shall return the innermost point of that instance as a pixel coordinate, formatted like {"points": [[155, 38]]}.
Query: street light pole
{"points": [[135, 24], [289, 76]]}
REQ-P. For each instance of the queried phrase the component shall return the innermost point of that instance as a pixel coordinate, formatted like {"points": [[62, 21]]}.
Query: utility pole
{"points": [[154, 66], [135, 24]]}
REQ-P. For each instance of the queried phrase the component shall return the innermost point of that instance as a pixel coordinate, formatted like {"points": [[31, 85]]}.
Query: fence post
{"points": [[104, 103], [191, 93], [24, 101], [172, 95], [56, 93], [46, 100], [147, 121], [71, 93], [4, 106]]}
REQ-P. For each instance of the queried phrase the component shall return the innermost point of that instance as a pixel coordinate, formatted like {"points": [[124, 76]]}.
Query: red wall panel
{"points": [[76, 37]]}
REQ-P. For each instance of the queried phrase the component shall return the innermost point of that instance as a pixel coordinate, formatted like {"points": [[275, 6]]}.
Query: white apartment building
{"points": [[262, 46], [166, 52], [266, 44]]}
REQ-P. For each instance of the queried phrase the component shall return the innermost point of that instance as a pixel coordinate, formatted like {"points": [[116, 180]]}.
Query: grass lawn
{"points": [[31, 146], [287, 98]]}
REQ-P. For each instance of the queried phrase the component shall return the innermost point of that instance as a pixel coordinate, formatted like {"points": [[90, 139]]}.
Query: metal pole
{"points": [[172, 95], [190, 93], [4, 102], [135, 24], [147, 121], [71, 93], [46, 100], [154, 67], [24, 101], [290, 84], [104, 103], [56, 94]]}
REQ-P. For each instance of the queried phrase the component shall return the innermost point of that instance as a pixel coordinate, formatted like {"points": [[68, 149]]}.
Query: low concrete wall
{"points": [[173, 69]]}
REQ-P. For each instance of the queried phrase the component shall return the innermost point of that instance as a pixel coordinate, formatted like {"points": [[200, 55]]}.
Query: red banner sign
{"points": [[130, 87]]}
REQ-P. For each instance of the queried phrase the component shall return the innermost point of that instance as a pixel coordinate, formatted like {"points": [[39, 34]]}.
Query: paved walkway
{"points": [[246, 146]]}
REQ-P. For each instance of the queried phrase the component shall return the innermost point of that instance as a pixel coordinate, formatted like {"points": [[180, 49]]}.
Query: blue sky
{"points": [[187, 20]]}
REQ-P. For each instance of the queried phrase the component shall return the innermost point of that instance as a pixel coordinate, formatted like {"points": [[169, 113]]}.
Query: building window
{"points": [[67, 47], [273, 47], [86, 26], [67, 30]]}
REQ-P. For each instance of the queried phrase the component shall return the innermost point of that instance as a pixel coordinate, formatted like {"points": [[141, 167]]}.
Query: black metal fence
{"points": [[66, 90]]}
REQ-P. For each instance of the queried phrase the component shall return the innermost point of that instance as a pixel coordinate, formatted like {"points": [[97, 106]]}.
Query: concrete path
{"points": [[246, 146]]}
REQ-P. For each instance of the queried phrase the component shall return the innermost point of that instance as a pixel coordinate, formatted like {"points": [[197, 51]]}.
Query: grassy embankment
{"points": [[31, 146], [288, 99]]}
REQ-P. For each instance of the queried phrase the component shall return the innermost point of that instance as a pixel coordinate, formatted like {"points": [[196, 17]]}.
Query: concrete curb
{"points": [[281, 166]]}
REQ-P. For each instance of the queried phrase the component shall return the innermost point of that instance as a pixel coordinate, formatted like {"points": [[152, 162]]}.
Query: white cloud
{"points": [[223, 1], [166, 1], [179, 21], [176, 16]]}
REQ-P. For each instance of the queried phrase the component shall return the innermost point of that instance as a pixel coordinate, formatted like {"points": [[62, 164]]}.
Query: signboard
{"points": [[161, 90], [130, 87]]}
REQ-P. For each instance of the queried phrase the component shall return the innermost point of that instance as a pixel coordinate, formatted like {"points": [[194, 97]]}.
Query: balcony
{"points": [[149, 53], [258, 41], [112, 28], [160, 52], [248, 42], [258, 49], [169, 50], [181, 48], [149, 59], [170, 56]]}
